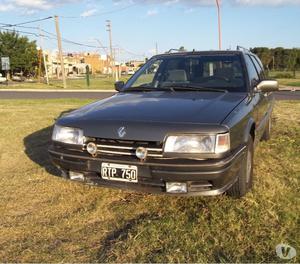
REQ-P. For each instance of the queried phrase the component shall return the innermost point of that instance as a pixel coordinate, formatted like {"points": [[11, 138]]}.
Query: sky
{"points": [[137, 25]]}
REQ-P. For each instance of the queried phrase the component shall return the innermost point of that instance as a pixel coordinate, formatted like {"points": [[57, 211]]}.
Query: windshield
{"points": [[197, 71]]}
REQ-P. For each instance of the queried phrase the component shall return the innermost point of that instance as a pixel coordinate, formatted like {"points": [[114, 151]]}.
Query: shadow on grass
{"points": [[122, 234], [36, 148]]}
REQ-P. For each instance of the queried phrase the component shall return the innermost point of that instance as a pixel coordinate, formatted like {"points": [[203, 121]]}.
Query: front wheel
{"points": [[245, 177]]}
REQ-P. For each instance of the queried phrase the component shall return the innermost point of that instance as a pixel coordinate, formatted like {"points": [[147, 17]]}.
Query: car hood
{"points": [[153, 110]]}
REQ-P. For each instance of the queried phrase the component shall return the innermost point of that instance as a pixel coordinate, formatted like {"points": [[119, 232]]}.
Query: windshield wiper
{"points": [[148, 88], [139, 89], [192, 87], [174, 87]]}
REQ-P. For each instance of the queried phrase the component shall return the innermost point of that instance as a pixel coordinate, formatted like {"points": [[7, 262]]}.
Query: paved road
{"points": [[53, 95], [287, 95], [282, 95]]}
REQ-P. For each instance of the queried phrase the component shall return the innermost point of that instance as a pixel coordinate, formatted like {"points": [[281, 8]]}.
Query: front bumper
{"points": [[203, 177]]}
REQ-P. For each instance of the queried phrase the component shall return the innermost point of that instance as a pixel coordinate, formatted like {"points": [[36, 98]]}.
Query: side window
{"points": [[146, 78], [253, 75], [258, 68]]}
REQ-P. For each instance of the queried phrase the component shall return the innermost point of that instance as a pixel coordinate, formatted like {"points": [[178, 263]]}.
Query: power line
{"points": [[131, 53], [27, 33], [8, 26], [28, 27], [29, 22], [79, 44], [54, 38], [76, 43], [71, 41], [47, 32], [19, 31], [21, 25]]}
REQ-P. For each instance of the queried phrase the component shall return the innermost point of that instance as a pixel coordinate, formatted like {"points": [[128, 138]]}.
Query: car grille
{"points": [[128, 148]]}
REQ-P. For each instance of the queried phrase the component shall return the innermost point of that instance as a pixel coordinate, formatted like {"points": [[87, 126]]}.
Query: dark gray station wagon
{"points": [[186, 123]]}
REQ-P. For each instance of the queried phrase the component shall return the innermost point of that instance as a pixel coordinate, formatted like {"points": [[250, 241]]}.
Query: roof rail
{"points": [[242, 48], [176, 50]]}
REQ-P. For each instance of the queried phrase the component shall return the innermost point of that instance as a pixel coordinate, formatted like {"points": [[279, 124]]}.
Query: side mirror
{"points": [[267, 86], [119, 86]]}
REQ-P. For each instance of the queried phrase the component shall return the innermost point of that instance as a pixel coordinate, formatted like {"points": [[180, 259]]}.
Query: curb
{"points": [[289, 88]]}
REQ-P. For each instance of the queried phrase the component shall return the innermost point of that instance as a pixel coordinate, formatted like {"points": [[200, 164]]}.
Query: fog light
{"points": [[92, 148], [176, 187], [141, 153], [76, 176]]}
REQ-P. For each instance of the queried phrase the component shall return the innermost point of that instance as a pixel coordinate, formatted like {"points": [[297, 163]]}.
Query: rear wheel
{"points": [[267, 133], [245, 177]]}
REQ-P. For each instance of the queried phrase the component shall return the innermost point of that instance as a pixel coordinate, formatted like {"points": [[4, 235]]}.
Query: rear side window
{"points": [[258, 68], [253, 75]]}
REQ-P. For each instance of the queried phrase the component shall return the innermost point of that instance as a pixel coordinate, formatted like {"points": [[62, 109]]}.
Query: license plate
{"points": [[119, 172]]}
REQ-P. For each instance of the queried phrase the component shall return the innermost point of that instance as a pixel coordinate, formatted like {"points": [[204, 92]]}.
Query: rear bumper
{"points": [[203, 177]]}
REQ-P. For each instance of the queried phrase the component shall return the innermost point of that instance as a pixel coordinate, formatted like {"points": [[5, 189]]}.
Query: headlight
{"points": [[197, 144], [68, 135]]}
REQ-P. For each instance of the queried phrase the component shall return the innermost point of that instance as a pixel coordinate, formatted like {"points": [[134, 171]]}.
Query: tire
{"points": [[245, 177], [267, 133]]}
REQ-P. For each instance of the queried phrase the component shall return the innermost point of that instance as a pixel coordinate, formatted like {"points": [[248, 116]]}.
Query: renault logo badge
{"points": [[122, 132]]}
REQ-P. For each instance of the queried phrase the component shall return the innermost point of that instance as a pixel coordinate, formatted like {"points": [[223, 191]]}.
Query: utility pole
{"points": [[112, 59], [44, 56], [156, 48], [40, 63], [219, 24], [119, 64], [115, 50], [60, 52]]}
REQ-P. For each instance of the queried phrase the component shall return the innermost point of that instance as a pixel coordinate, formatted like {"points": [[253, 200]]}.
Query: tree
{"points": [[22, 52], [292, 61], [279, 58], [265, 54]]}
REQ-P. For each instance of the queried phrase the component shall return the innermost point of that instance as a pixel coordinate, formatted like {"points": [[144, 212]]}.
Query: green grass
{"points": [[44, 218], [99, 83], [289, 82], [286, 81], [273, 74], [296, 83]]}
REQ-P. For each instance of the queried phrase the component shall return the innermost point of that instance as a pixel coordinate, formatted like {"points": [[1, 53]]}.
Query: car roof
{"points": [[209, 52]]}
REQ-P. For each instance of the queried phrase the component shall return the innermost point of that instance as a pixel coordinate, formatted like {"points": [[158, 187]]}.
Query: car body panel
{"points": [[195, 108], [220, 174]]}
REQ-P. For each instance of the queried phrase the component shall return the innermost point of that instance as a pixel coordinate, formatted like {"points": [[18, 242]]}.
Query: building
{"points": [[135, 64], [76, 63]]}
